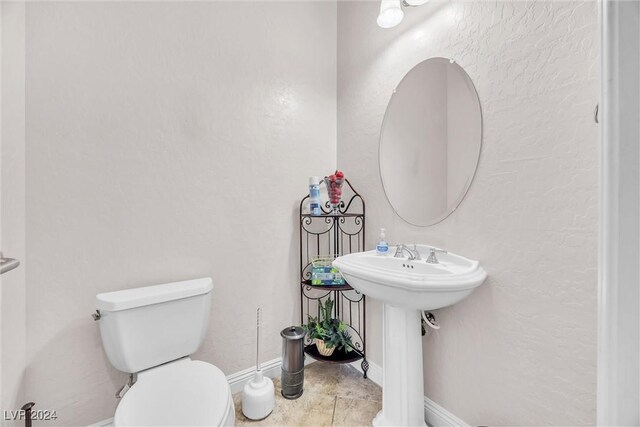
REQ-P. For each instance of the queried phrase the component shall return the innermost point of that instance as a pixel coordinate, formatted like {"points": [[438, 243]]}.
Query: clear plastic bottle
{"points": [[382, 248], [314, 196]]}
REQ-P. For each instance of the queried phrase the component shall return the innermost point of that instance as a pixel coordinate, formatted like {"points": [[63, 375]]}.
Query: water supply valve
{"points": [[125, 388]]}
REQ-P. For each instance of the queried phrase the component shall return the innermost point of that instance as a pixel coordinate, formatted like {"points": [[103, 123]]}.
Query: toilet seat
{"points": [[181, 393]]}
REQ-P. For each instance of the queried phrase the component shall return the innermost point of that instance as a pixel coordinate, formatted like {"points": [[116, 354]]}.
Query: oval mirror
{"points": [[430, 141]]}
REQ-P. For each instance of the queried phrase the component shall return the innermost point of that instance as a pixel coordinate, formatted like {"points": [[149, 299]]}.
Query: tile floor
{"points": [[334, 395]]}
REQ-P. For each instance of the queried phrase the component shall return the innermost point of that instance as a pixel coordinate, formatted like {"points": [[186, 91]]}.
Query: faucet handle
{"points": [[432, 259], [399, 248], [416, 252]]}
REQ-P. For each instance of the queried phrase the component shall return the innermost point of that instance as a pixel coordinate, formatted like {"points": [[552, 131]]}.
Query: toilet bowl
{"points": [[184, 392], [151, 332]]}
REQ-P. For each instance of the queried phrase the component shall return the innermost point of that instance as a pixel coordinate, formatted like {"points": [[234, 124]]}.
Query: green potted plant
{"points": [[327, 332]]}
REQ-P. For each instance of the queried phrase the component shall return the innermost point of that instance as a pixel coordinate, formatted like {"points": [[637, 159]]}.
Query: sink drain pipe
{"points": [[428, 319]]}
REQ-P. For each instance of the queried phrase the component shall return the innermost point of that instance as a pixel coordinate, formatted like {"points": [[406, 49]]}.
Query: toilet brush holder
{"points": [[258, 395]]}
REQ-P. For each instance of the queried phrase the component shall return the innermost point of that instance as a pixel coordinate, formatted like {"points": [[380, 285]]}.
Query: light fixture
{"points": [[413, 2], [391, 13]]}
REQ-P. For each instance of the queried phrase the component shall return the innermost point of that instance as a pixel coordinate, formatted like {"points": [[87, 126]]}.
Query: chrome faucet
{"points": [[432, 259], [413, 254]]}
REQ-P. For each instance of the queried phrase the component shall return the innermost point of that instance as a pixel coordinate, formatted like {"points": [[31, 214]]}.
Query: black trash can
{"points": [[292, 378]]}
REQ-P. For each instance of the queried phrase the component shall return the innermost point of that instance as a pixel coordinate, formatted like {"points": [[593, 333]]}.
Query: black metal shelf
{"points": [[332, 215], [334, 233], [338, 356], [345, 287]]}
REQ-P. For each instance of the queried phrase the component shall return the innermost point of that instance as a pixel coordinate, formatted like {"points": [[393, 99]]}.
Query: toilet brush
{"points": [[258, 396]]}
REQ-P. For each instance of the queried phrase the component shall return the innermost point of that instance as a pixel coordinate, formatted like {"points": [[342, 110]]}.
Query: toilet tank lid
{"points": [[138, 297]]}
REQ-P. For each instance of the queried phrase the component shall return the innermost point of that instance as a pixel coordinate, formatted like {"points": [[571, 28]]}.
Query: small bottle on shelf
{"points": [[314, 195], [382, 247]]}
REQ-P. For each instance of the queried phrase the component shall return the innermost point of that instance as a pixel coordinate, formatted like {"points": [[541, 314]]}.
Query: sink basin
{"points": [[406, 287], [412, 284]]}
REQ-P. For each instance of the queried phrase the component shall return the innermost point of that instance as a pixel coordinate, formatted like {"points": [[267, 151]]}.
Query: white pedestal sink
{"points": [[406, 287]]}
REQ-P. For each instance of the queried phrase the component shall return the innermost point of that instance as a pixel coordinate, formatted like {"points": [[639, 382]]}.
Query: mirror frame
{"points": [[464, 192]]}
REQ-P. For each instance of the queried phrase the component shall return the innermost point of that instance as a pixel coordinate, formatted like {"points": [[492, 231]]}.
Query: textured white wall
{"points": [[168, 141], [13, 331], [462, 133], [522, 349]]}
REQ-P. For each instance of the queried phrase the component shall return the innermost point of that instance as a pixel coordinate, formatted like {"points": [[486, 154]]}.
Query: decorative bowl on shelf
{"points": [[323, 349], [334, 189], [326, 327]]}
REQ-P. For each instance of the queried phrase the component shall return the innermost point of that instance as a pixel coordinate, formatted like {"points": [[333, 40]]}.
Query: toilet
{"points": [[151, 332]]}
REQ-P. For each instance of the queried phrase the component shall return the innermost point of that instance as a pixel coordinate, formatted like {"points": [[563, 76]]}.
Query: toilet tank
{"points": [[146, 327]]}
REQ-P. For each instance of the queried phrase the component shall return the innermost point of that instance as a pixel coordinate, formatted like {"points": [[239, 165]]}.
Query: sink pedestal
{"points": [[405, 287], [402, 386]]}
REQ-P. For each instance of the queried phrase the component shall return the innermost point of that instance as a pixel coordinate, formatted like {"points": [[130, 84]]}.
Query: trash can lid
{"points": [[293, 333]]}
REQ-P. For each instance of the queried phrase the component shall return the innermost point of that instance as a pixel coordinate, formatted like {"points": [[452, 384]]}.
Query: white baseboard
{"points": [[434, 414], [270, 369], [374, 373], [437, 416], [103, 423]]}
